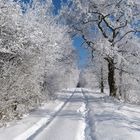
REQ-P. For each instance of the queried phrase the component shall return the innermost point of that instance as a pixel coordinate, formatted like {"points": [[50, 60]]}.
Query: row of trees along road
{"points": [[110, 28], [36, 57]]}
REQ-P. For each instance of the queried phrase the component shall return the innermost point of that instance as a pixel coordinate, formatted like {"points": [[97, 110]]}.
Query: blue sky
{"points": [[83, 52], [57, 4], [77, 41]]}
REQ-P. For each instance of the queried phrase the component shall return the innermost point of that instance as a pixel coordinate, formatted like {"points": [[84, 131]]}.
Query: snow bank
{"points": [[111, 120], [37, 126]]}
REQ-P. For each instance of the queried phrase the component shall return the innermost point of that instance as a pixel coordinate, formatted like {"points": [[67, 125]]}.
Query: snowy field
{"points": [[78, 114]]}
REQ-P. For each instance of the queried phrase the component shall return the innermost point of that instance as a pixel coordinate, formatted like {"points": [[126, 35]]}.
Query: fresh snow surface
{"points": [[78, 114], [68, 124], [109, 119]]}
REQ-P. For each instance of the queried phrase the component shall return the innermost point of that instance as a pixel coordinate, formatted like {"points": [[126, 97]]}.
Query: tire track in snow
{"points": [[82, 125], [51, 119], [32, 132], [89, 132], [73, 122]]}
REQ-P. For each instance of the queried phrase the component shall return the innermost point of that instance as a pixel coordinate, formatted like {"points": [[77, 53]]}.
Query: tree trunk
{"points": [[111, 78], [102, 81], [120, 80]]}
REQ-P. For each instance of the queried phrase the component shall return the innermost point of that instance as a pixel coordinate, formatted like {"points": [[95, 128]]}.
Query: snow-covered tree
{"points": [[34, 50], [54, 42], [114, 22], [88, 78], [99, 65]]}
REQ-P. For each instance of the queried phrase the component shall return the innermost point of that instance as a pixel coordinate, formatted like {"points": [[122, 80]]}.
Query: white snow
{"points": [[78, 114], [29, 132], [109, 119], [21, 130], [68, 124], [82, 126]]}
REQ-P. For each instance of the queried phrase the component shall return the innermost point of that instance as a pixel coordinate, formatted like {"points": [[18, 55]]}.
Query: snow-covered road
{"points": [[62, 119], [78, 114], [68, 124]]}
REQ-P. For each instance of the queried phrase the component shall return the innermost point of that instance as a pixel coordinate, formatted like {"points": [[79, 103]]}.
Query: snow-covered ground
{"points": [[68, 124], [109, 119], [23, 129], [78, 114]]}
